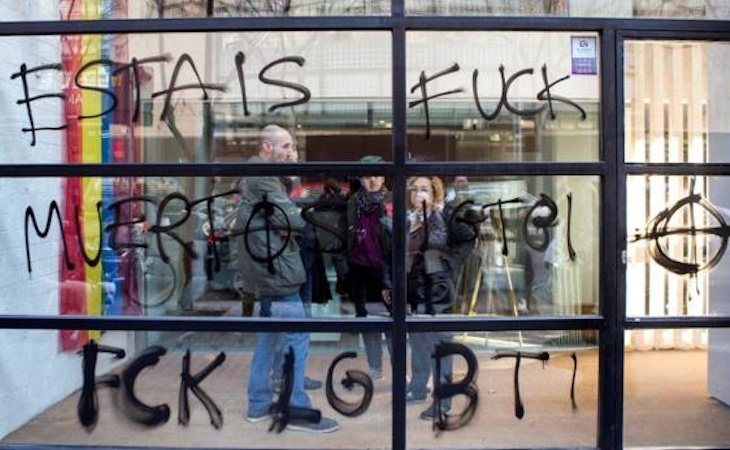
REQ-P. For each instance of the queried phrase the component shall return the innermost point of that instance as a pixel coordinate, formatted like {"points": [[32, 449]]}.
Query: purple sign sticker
{"points": [[583, 55]]}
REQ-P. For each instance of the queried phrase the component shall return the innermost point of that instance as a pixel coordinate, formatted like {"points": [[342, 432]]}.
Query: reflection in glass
{"points": [[556, 390], [503, 96], [519, 379], [46, 391], [676, 241], [194, 98], [692, 9], [188, 246], [676, 388], [503, 246], [676, 101], [170, 9], [301, 8], [146, 9]]}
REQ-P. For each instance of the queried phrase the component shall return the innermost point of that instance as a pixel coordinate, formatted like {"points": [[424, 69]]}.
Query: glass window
{"points": [[676, 388], [194, 98], [512, 384], [552, 386], [145, 246], [504, 246], [692, 9], [677, 235], [503, 96], [257, 8], [292, 246], [163, 9], [676, 102], [145, 9], [219, 412]]}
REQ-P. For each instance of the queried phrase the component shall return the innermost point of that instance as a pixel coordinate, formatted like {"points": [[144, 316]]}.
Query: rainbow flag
{"points": [[91, 289]]}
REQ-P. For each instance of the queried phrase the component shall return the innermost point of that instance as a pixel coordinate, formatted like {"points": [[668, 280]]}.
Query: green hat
{"points": [[371, 159]]}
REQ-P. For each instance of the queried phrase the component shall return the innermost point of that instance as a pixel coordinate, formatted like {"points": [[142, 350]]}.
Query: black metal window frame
{"points": [[611, 168]]}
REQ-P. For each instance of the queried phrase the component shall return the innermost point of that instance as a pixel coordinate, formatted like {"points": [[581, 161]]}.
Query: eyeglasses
{"points": [[420, 189]]}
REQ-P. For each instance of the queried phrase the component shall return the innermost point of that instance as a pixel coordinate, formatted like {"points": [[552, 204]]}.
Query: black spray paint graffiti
{"points": [[468, 213], [152, 416], [264, 209], [659, 228], [544, 357], [131, 406], [542, 224], [332, 206], [23, 74], [117, 68], [543, 95], [158, 229], [268, 209], [463, 215], [189, 382], [352, 378], [443, 391], [281, 412], [88, 406]]}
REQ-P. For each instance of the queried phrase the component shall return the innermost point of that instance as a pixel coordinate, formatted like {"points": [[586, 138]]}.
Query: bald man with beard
{"points": [[275, 284]]}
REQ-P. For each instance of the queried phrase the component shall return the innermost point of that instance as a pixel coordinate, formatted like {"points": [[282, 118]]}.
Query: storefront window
{"points": [[151, 246], [676, 390], [512, 382], [196, 98], [170, 9], [488, 96], [676, 235], [676, 244], [502, 246], [146, 9], [676, 102], [694, 9], [146, 407], [388, 223], [516, 381]]}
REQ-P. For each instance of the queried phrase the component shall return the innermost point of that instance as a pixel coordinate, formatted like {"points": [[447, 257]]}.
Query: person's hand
{"points": [[415, 220], [416, 224], [421, 197], [387, 296]]}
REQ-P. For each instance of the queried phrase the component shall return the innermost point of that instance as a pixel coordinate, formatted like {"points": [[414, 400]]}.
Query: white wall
{"points": [[35, 373], [718, 116]]}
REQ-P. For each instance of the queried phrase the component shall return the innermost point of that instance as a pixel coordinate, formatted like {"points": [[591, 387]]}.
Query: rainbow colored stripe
{"points": [[87, 290]]}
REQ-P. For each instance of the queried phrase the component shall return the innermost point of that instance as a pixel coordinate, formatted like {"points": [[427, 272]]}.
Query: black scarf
{"points": [[368, 202]]}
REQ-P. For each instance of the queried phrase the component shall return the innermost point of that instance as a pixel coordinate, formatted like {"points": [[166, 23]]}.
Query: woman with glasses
{"points": [[429, 267]]}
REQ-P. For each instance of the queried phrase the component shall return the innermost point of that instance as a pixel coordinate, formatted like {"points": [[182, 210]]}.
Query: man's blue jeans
{"points": [[423, 365], [260, 395]]}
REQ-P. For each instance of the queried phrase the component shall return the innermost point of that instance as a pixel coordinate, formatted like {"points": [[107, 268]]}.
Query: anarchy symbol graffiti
{"points": [[268, 209], [658, 231]]}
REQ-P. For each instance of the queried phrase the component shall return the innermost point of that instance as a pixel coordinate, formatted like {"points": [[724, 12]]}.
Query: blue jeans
{"points": [[423, 365], [374, 349], [305, 293], [374, 341], [260, 395]]}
